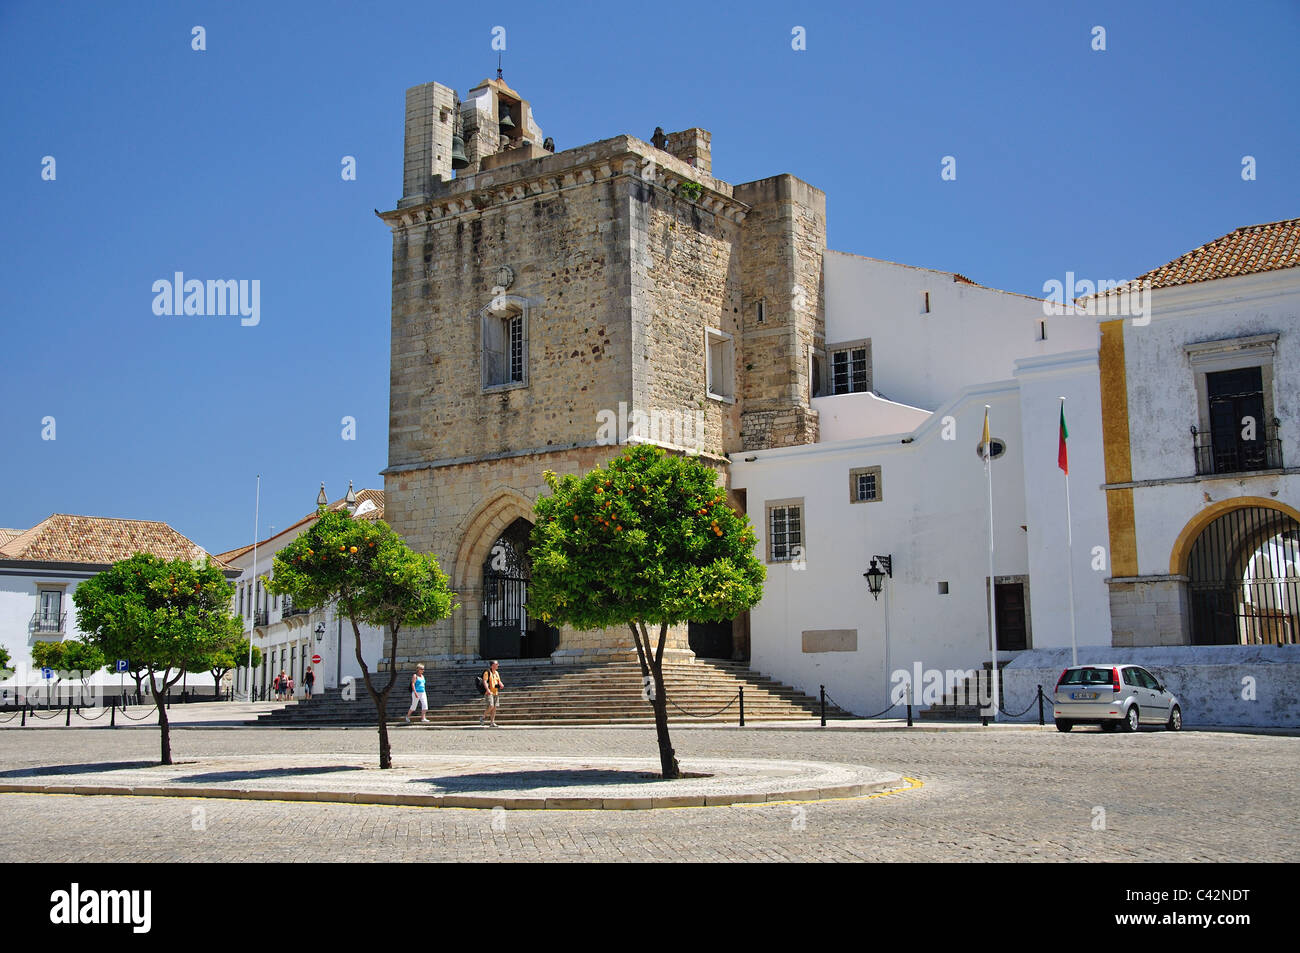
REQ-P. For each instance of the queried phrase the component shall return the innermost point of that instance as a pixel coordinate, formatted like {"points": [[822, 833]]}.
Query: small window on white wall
{"points": [[720, 364]]}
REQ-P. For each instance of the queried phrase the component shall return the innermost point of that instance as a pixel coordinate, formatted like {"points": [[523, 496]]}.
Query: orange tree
{"points": [[648, 541], [374, 577], [160, 614]]}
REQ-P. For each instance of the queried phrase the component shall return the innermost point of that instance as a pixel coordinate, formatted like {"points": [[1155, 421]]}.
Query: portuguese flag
{"points": [[1062, 459]]}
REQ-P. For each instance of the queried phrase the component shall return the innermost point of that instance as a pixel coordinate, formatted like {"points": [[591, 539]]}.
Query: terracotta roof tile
{"points": [[1246, 251], [98, 540]]}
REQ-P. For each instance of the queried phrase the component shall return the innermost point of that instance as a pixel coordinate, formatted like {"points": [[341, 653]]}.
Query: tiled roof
{"points": [[98, 540], [8, 534], [363, 496], [1246, 251]]}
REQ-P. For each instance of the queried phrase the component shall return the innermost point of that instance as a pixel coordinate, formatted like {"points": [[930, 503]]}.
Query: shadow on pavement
{"points": [[552, 778], [93, 767], [263, 773]]}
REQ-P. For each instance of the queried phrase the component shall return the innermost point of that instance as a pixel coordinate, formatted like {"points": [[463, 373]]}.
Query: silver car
{"points": [[1114, 696]]}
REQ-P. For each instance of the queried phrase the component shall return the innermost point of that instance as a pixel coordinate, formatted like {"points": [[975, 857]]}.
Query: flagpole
{"points": [[257, 506], [993, 609], [1069, 557]]}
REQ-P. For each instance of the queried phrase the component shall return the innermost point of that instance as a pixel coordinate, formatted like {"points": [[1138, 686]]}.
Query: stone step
{"points": [[587, 694]]}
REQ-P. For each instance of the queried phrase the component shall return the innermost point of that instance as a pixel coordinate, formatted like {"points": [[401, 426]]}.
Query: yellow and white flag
{"points": [[985, 441]]}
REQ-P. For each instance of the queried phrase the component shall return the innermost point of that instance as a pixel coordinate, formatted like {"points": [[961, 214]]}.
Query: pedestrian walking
{"points": [[492, 682], [310, 679], [275, 687], [418, 698], [284, 685]]}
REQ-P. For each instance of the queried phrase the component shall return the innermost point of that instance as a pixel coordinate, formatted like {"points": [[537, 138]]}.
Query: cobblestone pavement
{"points": [[1025, 795]]}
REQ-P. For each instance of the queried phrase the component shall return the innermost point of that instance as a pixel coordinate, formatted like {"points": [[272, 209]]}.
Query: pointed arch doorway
{"points": [[506, 629]]}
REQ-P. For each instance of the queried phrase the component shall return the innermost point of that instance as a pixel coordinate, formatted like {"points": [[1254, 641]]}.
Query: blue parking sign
{"points": [[47, 673], [122, 665]]}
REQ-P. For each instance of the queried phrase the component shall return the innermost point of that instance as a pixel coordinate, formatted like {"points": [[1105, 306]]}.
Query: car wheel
{"points": [[1131, 719], [1175, 722], [1064, 725]]}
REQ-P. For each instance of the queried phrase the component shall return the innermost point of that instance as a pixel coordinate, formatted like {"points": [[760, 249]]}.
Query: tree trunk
{"points": [[652, 669], [159, 699], [380, 698]]}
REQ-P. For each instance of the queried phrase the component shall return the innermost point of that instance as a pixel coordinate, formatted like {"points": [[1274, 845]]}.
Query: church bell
{"points": [[458, 157]]}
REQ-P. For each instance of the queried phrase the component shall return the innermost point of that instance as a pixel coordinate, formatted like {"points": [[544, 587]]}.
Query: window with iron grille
{"points": [[505, 343], [851, 368], [516, 335], [864, 485], [784, 530]]}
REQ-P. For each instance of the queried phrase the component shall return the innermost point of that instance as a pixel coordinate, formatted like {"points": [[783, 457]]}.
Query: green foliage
{"points": [[690, 190], [84, 657], [375, 579], [160, 614], [4, 659], [223, 659], [374, 576], [48, 655], [650, 540]]}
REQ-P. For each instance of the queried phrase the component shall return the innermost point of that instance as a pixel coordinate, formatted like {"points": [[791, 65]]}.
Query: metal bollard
{"points": [[112, 717], [742, 706], [24, 724], [823, 697], [68, 717], [909, 714], [1040, 706]]}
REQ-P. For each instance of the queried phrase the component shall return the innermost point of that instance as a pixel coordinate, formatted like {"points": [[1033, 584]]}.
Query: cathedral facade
{"points": [[548, 305]]}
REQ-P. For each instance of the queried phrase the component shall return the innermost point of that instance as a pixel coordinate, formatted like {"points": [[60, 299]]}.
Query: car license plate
{"points": [[1079, 696]]}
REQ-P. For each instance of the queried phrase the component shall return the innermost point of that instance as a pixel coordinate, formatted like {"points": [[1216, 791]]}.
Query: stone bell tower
{"points": [[548, 306]]}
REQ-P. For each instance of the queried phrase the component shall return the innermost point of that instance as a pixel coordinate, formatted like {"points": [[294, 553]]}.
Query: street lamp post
{"points": [[881, 567]]}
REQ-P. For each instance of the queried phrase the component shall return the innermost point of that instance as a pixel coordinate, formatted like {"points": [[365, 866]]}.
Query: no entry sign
{"points": [[315, 660]]}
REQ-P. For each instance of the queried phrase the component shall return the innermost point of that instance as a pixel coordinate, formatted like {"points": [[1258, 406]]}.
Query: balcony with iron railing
{"points": [[1237, 455], [48, 623], [287, 609], [259, 618]]}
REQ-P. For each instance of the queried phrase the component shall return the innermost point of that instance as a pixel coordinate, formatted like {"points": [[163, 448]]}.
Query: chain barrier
{"points": [[15, 714], [35, 713], [834, 704], [1043, 695], [711, 714], [142, 717], [103, 710]]}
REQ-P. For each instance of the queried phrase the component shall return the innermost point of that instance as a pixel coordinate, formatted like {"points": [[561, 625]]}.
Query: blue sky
{"points": [[225, 163]]}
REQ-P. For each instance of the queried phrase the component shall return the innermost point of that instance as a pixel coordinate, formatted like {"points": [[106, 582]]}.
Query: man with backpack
{"points": [[490, 685]]}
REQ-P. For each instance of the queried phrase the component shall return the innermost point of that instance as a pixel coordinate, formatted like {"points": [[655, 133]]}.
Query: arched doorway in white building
{"points": [[1243, 578]]}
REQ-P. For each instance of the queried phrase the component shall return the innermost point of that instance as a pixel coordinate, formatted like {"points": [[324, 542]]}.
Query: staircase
{"points": [[543, 693], [962, 703]]}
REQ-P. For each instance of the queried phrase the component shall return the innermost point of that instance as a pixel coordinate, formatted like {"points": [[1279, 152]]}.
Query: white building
{"points": [[913, 356], [1173, 544], [290, 639], [40, 569]]}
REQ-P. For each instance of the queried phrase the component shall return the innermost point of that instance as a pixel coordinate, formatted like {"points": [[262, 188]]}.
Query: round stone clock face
{"points": [[505, 277]]}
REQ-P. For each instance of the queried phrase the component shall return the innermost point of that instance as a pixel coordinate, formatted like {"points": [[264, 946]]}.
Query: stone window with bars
{"points": [[864, 485], [505, 343], [785, 534], [850, 367]]}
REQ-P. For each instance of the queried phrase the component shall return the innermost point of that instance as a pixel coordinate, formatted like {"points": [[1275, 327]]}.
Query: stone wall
{"points": [[1234, 685], [784, 241], [621, 257], [1150, 611]]}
